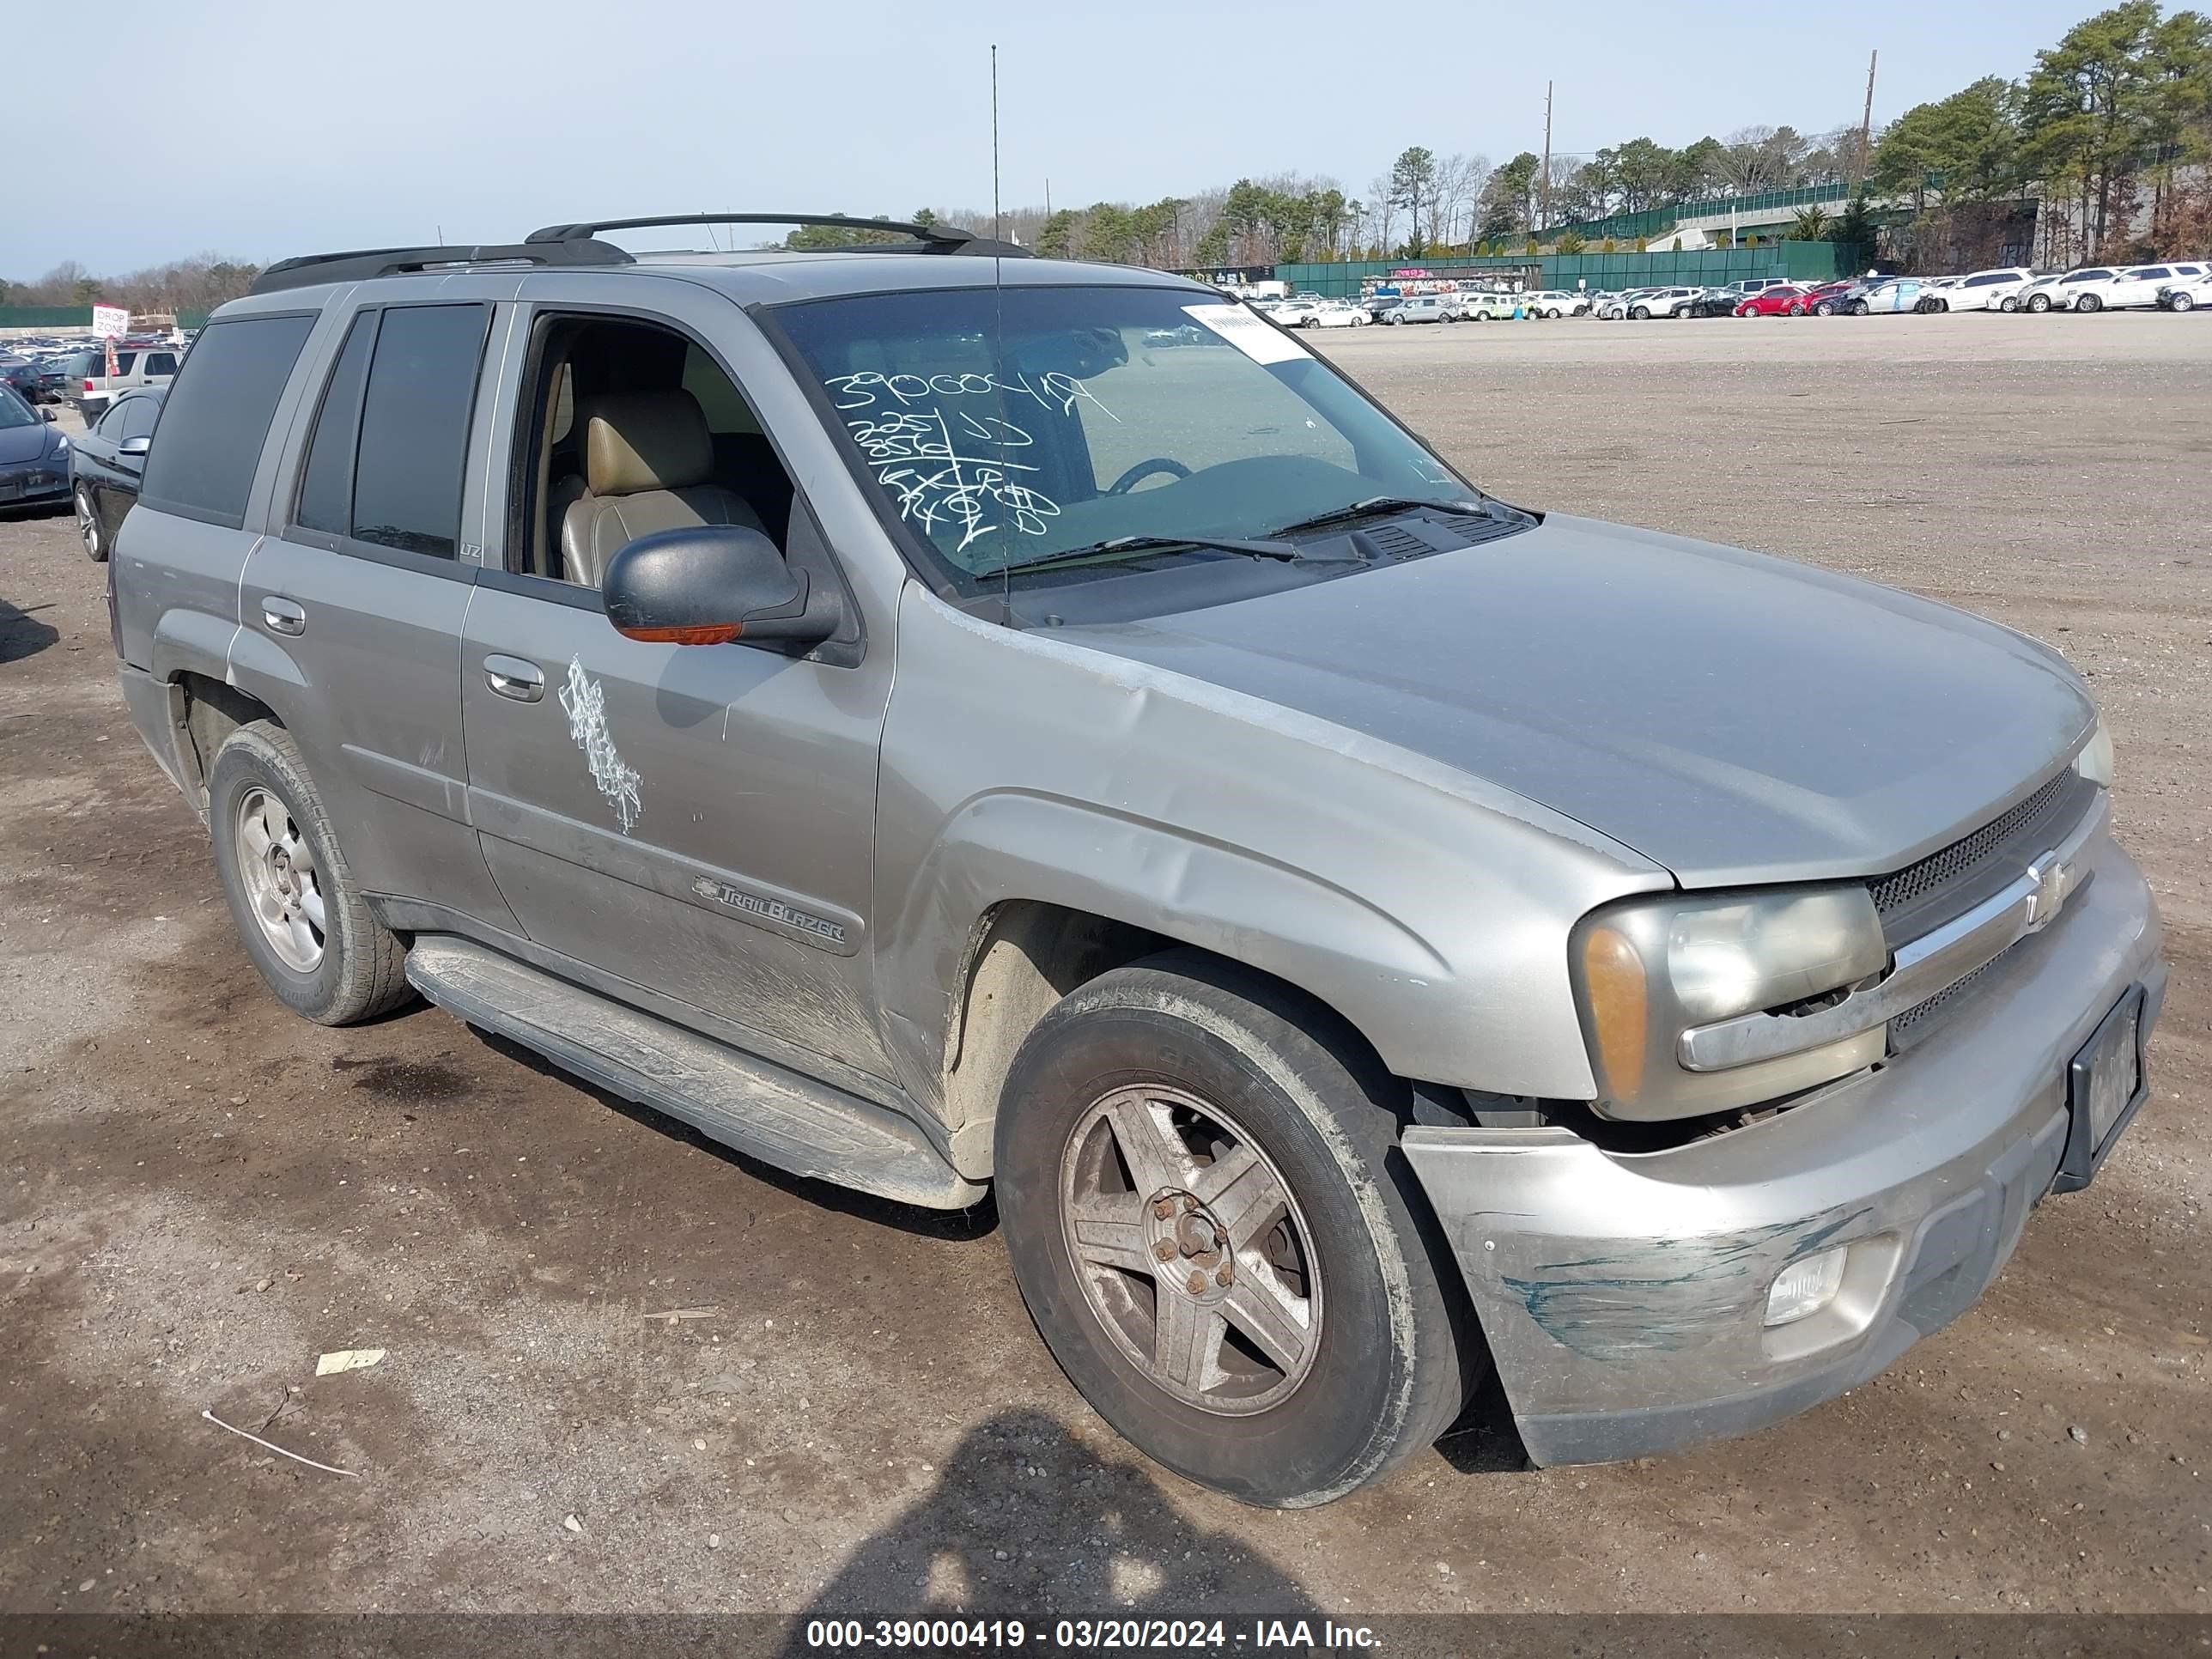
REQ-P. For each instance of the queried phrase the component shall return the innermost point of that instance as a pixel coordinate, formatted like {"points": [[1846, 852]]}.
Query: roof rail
{"points": [[930, 239], [359, 264]]}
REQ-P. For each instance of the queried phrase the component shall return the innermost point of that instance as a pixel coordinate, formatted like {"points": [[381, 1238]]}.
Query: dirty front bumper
{"points": [[1624, 1296]]}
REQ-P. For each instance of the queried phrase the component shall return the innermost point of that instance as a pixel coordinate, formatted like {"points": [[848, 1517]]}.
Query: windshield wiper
{"points": [[1374, 504], [1117, 545]]}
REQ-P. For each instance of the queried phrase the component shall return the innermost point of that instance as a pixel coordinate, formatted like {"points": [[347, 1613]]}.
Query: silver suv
{"points": [[867, 705]]}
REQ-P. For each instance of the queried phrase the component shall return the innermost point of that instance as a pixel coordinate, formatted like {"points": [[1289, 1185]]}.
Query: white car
{"points": [[1662, 302], [2073, 290], [1494, 307], [1293, 314], [2138, 287], [1334, 313], [1982, 290], [1614, 307], [2187, 294], [1557, 302]]}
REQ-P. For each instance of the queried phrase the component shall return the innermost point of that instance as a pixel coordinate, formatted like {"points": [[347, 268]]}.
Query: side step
{"points": [[756, 1107]]}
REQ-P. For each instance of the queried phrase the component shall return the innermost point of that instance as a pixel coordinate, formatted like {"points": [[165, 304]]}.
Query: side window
{"points": [[205, 468], [124, 362], [160, 363], [412, 447], [139, 415], [110, 425], [327, 482]]}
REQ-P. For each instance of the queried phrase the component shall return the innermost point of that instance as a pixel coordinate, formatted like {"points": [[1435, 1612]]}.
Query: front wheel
{"points": [[1641, 313], [1205, 1215], [1861, 308], [2088, 302], [2009, 303], [2039, 304], [88, 524], [2180, 302], [300, 912]]}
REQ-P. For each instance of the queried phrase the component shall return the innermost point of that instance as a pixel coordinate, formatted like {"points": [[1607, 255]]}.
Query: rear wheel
{"points": [[1861, 308], [299, 911], [2088, 302], [1207, 1219], [2010, 303], [2039, 303], [2180, 302], [1640, 313], [88, 524]]}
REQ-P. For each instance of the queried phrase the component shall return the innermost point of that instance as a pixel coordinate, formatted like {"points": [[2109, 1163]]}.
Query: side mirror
{"points": [[137, 445], [708, 585]]}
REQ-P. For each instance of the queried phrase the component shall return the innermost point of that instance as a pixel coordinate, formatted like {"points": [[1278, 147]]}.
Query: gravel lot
{"points": [[200, 1193]]}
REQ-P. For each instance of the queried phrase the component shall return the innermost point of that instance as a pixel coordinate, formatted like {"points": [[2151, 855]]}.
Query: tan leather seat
{"points": [[647, 458]]}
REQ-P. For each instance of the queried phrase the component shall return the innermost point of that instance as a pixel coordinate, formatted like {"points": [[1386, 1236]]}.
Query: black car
{"points": [[104, 465], [34, 457], [40, 383]]}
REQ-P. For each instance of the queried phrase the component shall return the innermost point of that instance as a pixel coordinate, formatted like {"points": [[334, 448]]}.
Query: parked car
{"points": [[2186, 295], [1375, 305], [1829, 298], [1425, 308], [1661, 301], [2137, 287], [1494, 307], [1982, 290], [2066, 290], [33, 453], [1294, 313], [1315, 896], [1782, 300], [1555, 303], [1889, 295], [1710, 303], [34, 382], [92, 388], [104, 465], [1334, 313]]}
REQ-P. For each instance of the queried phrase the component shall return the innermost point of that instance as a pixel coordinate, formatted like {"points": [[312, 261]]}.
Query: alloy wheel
{"points": [[88, 523], [1191, 1250], [283, 888]]}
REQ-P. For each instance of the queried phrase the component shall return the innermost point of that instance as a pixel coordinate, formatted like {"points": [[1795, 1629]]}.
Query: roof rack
{"points": [[929, 239], [359, 264]]}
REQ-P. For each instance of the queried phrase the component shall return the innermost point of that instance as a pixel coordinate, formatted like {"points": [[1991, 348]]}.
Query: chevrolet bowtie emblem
{"points": [[2053, 882]]}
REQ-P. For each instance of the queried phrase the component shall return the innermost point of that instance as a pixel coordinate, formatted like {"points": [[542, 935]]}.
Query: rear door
{"points": [[360, 591]]}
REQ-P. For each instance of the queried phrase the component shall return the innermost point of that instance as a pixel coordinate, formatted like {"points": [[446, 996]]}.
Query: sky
{"points": [[263, 129]]}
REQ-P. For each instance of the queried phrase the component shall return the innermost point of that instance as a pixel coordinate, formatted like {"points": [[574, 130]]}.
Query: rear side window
{"points": [[139, 415], [205, 468], [414, 439], [124, 362], [160, 363], [327, 483]]}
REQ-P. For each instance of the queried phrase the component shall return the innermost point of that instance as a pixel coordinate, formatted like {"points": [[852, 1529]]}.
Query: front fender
{"points": [[1429, 908]]}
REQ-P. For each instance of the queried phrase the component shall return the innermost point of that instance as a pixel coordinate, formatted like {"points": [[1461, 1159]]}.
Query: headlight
{"points": [[2095, 762], [1649, 970]]}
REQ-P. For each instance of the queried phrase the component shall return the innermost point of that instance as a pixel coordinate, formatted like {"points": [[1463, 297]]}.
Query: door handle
{"points": [[283, 616], [511, 676]]}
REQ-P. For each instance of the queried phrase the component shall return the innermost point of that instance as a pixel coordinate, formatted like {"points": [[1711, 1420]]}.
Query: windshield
{"points": [[13, 411], [1006, 425]]}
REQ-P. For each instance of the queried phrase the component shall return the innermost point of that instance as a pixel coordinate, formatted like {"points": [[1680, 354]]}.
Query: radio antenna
{"points": [[997, 232]]}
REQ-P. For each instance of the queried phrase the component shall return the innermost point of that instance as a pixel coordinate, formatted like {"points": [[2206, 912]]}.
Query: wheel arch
{"points": [[213, 710]]}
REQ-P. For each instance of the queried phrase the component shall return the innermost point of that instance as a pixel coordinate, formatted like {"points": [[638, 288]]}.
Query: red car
{"points": [[1786, 301]]}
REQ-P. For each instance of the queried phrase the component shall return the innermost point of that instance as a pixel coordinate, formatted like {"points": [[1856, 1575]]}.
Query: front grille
{"points": [[1946, 883], [1919, 1020]]}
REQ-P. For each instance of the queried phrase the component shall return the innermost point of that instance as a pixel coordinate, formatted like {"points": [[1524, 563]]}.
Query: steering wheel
{"points": [[1144, 469]]}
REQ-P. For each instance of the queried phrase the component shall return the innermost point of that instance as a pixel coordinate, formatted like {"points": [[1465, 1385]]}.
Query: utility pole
{"points": [[1544, 179], [1866, 125]]}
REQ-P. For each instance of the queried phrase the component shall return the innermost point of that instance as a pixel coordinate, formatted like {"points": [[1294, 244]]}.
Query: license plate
{"points": [[2104, 1085]]}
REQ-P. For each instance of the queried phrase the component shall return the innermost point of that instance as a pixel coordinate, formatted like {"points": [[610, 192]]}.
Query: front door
{"points": [[696, 820]]}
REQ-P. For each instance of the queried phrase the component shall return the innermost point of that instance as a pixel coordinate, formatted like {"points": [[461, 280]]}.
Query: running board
{"points": [[748, 1104]]}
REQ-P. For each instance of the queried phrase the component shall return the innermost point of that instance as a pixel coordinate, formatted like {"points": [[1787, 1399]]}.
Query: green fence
{"points": [[78, 318], [1800, 262]]}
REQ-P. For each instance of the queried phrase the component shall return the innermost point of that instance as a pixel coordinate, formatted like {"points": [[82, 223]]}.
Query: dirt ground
{"points": [[200, 1193]]}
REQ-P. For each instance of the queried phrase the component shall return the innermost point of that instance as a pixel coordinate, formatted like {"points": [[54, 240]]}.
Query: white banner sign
{"points": [[109, 321]]}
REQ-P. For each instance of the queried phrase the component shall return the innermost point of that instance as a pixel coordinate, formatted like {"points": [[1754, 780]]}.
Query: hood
{"points": [[24, 443], [1736, 718]]}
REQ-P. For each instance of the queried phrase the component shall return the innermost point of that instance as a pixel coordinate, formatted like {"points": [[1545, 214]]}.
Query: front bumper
{"points": [[1623, 1295], [25, 484]]}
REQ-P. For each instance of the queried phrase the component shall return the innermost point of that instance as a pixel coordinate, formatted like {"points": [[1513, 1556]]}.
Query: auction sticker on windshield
{"points": [[1248, 334]]}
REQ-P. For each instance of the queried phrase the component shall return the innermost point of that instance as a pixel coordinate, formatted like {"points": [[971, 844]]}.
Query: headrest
{"points": [[641, 441]]}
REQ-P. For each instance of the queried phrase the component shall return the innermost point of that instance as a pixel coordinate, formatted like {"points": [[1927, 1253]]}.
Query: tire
{"points": [[1826, 308], [1861, 308], [1640, 313], [349, 967], [87, 525], [1314, 1118], [2088, 302], [2039, 303], [2180, 302], [1797, 311], [2010, 304]]}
